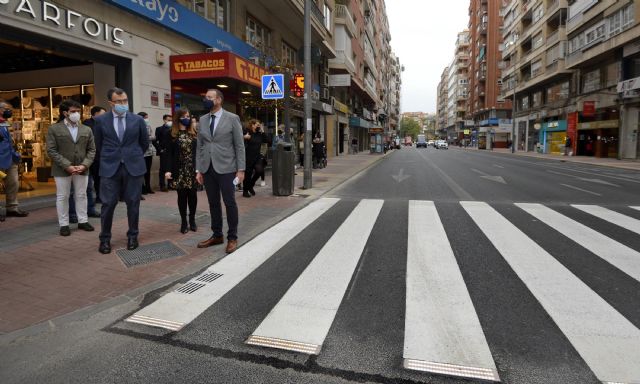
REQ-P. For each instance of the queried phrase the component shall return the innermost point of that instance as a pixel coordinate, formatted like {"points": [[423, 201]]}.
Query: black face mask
{"points": [[7, 114], [207, 104]]}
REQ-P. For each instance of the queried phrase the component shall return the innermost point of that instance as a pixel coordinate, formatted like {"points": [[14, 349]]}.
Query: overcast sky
{"points": [[423, 36]]}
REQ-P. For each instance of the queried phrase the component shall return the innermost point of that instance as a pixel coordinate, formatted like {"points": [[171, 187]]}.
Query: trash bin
{"points": [[282, 171]]}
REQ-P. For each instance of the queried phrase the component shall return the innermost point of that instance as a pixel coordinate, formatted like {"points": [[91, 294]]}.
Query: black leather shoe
{"points": [[132, 244], [105, 247], [246, 194], [94, 214], [17, 213], [252, 192], [150, 192], [86, 227], [65, 231], [192, 225], [183, 227]]}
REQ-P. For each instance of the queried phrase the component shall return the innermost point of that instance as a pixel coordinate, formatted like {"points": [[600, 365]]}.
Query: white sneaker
{"points": [[262, 183]]}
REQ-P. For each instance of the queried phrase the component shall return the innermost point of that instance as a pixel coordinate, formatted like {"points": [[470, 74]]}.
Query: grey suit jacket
{"points": [[64, 152], [225, 150]]}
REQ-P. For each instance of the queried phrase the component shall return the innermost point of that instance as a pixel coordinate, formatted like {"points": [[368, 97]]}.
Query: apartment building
{"points": [[485, 106], [442, 99], [459, 88], [603, 50]]}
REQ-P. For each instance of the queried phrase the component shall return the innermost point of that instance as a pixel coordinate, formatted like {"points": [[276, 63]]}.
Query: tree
{"points": [[409, 127]]}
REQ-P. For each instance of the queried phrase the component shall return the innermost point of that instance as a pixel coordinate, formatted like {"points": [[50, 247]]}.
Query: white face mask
{"points": [[74, 117], [169, 124]]}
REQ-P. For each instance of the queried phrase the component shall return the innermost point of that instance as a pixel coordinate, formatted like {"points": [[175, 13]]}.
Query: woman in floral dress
{"points": [[182, 163]]}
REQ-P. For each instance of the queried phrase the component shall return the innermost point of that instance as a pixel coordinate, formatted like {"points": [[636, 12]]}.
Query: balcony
{"points": [[343, 61], [482, 74], [370, 61], [370, 30], [552, 38], [552, 6], [482, 28], [343, 16]]}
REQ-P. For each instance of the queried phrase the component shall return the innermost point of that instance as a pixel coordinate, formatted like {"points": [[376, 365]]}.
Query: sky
{"points": [[423, 36]]}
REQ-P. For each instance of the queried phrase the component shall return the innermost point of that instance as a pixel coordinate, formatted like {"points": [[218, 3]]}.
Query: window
{"points": [[621, 20], [524, 103], [558, 92], [613, 74], [288, 54], [327, 17], [591, 81], [594, 34], [537, 99], [257, 34], [537, 41], [555, 53], [537, 14], [217, 12], [536, 68]]}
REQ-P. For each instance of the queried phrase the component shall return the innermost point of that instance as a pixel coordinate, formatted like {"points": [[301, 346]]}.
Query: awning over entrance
{"points": [[356, 121]]}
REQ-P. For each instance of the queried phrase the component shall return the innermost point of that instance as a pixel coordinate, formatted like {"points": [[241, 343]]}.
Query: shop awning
{"points": [[356, 121], [216, 65]]}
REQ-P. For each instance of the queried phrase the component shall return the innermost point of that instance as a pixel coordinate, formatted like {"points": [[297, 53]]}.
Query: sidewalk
{"points": [[44, 276], [606, 162]]}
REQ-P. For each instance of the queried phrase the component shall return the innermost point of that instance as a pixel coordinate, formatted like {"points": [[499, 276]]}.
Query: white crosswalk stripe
{"points": [[301, 320], [618, 255], [605, 339], [442, 329], [439, 311]]}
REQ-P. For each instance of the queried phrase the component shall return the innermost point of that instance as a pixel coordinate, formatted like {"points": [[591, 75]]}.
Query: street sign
{"points": [[273, 86]]}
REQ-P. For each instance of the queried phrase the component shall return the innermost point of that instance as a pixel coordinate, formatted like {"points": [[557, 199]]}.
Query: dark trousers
{"points": [[187, 197], [164, 168], [249, 182], [111, 188], [147, 176], [215, 185]]}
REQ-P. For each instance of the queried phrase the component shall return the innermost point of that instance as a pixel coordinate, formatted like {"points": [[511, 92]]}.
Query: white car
{"points": [[442, 144]]}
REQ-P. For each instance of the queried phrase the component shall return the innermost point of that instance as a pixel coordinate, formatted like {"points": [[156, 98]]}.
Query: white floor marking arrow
{"points": [[487, 176], [400, 177]]}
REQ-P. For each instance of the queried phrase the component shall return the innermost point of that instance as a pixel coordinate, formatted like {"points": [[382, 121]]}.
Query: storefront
{"points": [[359, 129], [598, 138], [553, 135], [342, 127]]}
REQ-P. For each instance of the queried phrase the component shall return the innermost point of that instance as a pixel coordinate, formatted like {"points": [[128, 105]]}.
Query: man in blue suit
{"points": [[121, 140]]}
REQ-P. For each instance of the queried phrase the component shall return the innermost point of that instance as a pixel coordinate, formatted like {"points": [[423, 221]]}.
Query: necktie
{"points": [[213, 122], [120, 128]]}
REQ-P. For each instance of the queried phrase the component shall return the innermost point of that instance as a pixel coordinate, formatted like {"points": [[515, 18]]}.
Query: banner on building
{"points": [[572, 125], [588, 108]]}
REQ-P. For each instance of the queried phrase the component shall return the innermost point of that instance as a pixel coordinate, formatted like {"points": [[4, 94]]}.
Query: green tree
{"points": [[409, 127]]}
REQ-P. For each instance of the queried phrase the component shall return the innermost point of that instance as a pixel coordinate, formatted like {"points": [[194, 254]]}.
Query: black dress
{"points": [[252, 155]]}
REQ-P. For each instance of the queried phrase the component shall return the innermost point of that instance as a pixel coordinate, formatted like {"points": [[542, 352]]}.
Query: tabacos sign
{"points": [[215, 64], [50, 14]]}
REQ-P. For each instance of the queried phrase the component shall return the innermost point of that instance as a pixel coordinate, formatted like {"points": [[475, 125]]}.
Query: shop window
{"points": [[288, 55], [591, 81], [257, 34], [613, 73]]}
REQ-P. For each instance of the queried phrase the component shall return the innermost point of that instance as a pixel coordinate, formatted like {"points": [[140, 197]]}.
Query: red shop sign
{"points": [[588, 108]]}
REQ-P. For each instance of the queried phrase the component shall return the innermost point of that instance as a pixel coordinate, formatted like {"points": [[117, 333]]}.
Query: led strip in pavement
{"points": [[439, 310], [619, 255], [301, 320], [606, 340], [175, 309]]}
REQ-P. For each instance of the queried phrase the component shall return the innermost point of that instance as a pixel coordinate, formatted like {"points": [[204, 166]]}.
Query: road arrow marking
{"points": [[497, 179], [400, 177]]}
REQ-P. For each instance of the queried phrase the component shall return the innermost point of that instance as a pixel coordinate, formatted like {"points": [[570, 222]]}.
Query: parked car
{"points": [[431, 143], [442, 144]]}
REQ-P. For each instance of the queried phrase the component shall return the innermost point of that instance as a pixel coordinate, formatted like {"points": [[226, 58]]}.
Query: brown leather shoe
{"points": [[232, 245], [211, 241]]}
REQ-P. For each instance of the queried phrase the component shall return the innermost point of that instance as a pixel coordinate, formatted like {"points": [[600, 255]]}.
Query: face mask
{"points": [[186, 121], [207, 104], [7, 113], [146, 121], [121, 109], [169, 124], [74, 117]]}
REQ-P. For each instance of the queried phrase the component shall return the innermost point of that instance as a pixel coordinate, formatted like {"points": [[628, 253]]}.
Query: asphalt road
{"points": [[365, 341]]}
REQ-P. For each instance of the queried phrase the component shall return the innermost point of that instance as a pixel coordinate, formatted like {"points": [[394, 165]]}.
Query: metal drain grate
{"points": [[190, 287], [148, 253], [209, 277]]}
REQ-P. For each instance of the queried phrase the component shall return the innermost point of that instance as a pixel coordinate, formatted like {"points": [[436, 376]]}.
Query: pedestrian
{"points": [[94, 170], [220, 162], [253, 139], [9, 160], [181, 151], [567, 146], [148, 155], [71, 148], [317, 150], [121, 141], [354, 145], [161, 143]]}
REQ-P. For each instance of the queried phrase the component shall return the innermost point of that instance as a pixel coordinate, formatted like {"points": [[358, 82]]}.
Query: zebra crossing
{"points": [[442, 333]]}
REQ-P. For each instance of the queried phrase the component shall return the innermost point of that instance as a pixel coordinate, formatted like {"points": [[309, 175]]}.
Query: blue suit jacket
{"points": [[130, 151], [8, 154]]}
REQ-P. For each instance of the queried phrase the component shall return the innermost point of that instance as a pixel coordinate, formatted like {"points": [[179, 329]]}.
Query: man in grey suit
{"points": [[219, 160], [71, 148], [121, 140]]}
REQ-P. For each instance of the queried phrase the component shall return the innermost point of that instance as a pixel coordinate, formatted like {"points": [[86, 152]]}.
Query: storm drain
{"points": [[190, 287], [209, 277], [149, 253]]}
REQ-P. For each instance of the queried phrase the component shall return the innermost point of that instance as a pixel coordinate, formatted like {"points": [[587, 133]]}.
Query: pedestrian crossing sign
{"points": [[273, 86]]}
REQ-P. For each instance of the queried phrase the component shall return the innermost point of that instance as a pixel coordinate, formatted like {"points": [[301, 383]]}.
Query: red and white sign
{"points": [[588, 108]]}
